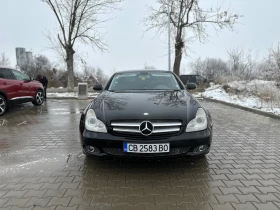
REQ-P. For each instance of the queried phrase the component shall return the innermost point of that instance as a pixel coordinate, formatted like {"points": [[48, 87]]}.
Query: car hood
{"points": [[35, 82], [175, 105]]}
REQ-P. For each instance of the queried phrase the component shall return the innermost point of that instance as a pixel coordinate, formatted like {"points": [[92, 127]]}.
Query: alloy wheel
{"points": [[39, 97], [2, 105]]}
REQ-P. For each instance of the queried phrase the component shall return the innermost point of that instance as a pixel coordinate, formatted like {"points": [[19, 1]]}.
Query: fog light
{"points": [[200, 149], [92, 149]]}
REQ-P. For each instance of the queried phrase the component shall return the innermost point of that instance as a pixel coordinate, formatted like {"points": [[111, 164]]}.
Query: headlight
{"points": [[93, 124], [199, 123]]}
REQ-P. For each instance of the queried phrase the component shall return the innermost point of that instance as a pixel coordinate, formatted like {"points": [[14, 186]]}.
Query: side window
{"points": [[192, 79], [20, 76], [184, 79], [6, 74], [199, 79]]}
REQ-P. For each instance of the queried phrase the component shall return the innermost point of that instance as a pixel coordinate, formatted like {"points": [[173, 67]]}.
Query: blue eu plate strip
{"points": [[125, 147]]}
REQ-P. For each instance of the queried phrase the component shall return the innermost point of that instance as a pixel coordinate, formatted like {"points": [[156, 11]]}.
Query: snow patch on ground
{"points": [[251, 85], [248, 94], [68, 95]]}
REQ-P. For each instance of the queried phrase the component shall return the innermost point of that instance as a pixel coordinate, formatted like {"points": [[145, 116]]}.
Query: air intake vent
{"points": [[82, 91]]}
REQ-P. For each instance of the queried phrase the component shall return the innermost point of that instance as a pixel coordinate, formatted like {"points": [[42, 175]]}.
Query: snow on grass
{"points": [[256, 94], [251, 85], [219, 93]]}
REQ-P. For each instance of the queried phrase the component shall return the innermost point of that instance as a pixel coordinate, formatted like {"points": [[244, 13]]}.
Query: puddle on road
{"points": [[22, 123], [36, 163], [3, 122], [40, 165], [15, 159]]}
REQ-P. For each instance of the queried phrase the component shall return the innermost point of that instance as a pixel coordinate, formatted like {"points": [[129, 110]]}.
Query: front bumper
{"points": [[180, 145]]}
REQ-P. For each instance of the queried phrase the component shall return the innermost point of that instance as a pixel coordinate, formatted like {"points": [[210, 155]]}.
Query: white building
{"points": [[23, 57]]}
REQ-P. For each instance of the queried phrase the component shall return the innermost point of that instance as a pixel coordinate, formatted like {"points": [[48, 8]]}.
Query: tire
{"points": [[39, 98], [3, 105]]}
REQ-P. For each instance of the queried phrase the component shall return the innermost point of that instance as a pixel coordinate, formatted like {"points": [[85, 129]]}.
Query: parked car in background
{"points": [[16, 87], [147, 114], [201, 82]]}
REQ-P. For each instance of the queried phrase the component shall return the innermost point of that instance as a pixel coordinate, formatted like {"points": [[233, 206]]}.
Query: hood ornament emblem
{"points": [[146, 128]]}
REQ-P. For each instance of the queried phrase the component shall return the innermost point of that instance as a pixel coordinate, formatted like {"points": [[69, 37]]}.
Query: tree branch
{"points": [[189, 10], [59, 19]]}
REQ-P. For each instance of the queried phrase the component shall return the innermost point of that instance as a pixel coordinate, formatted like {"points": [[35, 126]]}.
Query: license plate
{"points": [[146, 148]]}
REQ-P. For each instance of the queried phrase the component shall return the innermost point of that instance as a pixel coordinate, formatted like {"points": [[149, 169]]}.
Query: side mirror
{"points": [[191, 86], [98, 87], [31, 78]]}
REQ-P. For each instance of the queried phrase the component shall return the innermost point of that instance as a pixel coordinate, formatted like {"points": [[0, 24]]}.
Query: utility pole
{"points": [[169, 37]]}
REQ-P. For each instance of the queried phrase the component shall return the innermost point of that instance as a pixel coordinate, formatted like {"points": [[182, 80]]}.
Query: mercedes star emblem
{"points": [[146, 128]]}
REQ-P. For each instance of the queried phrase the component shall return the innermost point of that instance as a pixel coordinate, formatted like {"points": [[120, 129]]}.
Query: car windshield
{"points": [[144, 81]]}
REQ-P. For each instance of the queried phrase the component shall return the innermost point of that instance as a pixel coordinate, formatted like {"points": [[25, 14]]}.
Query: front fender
{"points": [[4, 94]]}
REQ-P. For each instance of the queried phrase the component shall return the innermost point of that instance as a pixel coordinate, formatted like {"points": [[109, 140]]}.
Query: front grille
{"points": [[130, 128], [173, 152]]}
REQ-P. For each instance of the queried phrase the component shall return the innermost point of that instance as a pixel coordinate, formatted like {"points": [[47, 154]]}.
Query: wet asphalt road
{"points": [[42, 166]]}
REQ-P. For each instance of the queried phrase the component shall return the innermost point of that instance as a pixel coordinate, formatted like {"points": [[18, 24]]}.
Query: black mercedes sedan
{"points": [[145, 114]]}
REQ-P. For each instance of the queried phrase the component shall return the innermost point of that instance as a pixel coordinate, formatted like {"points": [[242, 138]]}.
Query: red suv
{"points": [[16, 88]]}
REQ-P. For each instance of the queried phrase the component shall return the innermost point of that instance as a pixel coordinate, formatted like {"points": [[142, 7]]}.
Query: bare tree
{"points": [[266, 69], [211, 68], [185, 69], [4, 60], [189, 21], [242, 65], [269, 67], [101, 77], [197, 67], [88, 71], [274, 54], [78, 20], [149, 67], [39, 65], [94, 75]]}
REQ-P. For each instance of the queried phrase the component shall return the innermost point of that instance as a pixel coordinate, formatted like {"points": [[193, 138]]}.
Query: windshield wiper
{"points": [[119, 91]]}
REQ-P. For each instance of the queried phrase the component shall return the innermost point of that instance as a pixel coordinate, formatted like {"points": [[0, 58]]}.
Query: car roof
{"points": [[144, 70], [7, 67]]}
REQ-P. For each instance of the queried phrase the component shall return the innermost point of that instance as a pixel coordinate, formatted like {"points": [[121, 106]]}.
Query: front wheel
{"points": [[39, 98], [3, 105]]}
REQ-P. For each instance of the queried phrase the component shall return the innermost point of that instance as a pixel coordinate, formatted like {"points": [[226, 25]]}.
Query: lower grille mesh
{"points": [[120, 152]]}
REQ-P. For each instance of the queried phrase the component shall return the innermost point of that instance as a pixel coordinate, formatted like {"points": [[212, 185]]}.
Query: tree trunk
{"points": [[70, 68], [178, 55]]}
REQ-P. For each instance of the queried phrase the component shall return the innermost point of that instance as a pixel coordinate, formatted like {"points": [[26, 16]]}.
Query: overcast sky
{"points": [[23, 22]]}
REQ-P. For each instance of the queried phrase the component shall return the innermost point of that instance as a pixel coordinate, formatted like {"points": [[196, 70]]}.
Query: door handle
{"points": [[21, 84], [4, 83]]}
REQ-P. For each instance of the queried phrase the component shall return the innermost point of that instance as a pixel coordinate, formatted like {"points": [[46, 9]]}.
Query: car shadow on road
{"points": [[151, 166]]}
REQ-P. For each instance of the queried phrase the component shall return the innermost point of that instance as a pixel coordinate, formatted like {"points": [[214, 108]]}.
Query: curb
{"points": [[256, 111]]}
